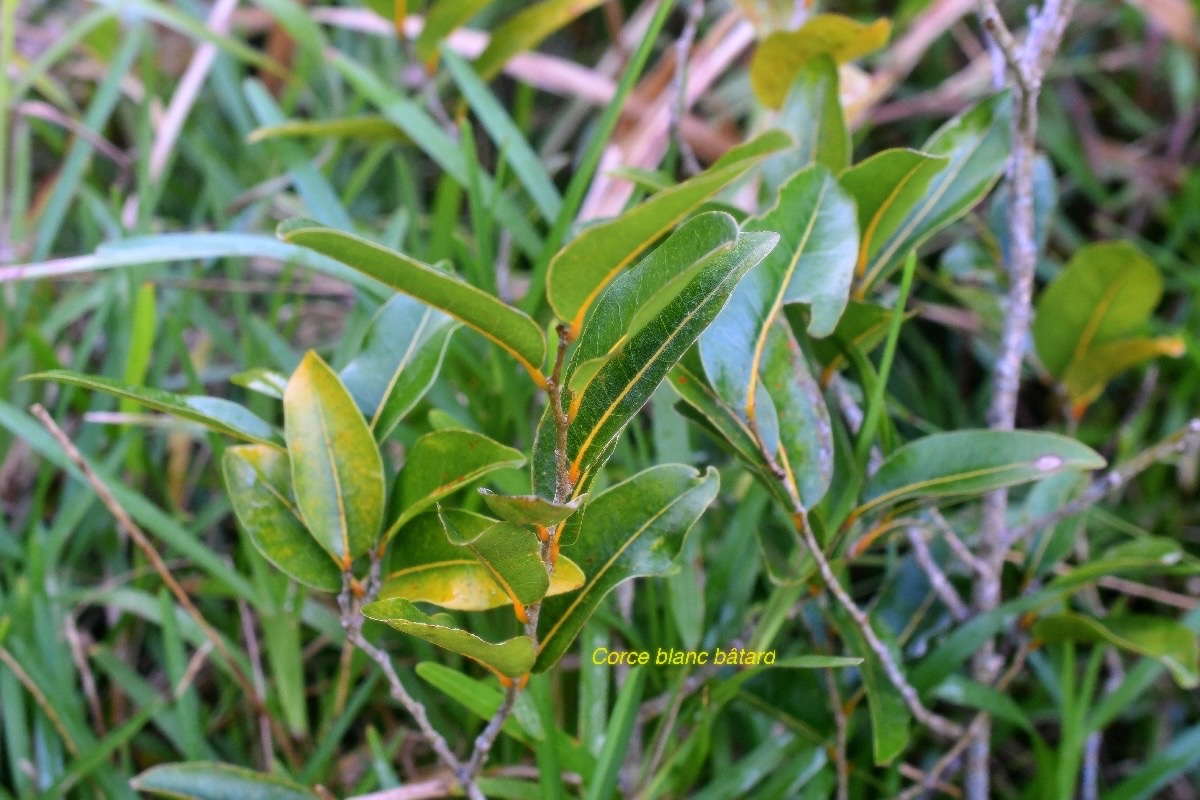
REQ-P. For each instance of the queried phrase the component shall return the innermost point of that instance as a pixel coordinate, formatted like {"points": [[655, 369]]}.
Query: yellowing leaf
{"points": [[1090, 373], [337, 472], [781, 56], [1088, 317]]}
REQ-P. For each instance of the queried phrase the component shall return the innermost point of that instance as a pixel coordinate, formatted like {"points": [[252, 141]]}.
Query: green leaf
{"points": [[886, 188], [480, 698], [974, 148], [890, 717], [1157, 771], [508, 138], [1169, 642], [510, 553], [1106, 292], [364, 128], [425, 567], [530, 509], [511, 658], [971, 694], [506, 326], [805, 449], [202, 780], [337, 472], [972, 462], [581, 270], [523, 30], [814, 262], [729, 428], [634, 529], [782, 54], [813, 115], [627, 380], [445, 461], [259, 482], [215, 413], [1160, 555], [617, 736], [442, 18], [815, 265], [399, 361], [862, 325]]}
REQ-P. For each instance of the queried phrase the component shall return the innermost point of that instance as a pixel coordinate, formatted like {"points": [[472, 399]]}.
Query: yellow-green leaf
{"points": [[511, 658], [259, 482], [632, 529], [337, 472], [1088, 317], [510, 553], [530, 509], [442, 18], [887, 187], [781, 56], [525, 29], [425, 567], [1088, 374]]}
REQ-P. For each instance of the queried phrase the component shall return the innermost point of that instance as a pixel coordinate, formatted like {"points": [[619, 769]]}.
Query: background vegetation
{"points": [[1048, 639]]}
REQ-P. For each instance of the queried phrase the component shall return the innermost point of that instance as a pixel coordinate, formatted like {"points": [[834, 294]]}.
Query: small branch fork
{"points": [[1026, 63], [935, 722]]}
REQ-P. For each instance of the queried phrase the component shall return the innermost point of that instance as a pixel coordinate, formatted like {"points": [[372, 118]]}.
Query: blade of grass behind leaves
{"points": [[76, 161], [588, 164]]}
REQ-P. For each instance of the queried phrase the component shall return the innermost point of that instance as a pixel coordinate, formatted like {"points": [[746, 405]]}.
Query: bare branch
{"points": [[937, 578]]}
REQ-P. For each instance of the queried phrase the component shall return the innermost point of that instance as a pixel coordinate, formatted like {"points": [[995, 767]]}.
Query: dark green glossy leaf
{"points": [[337, 472], [202, 780], [219, 415], [259, 482], [445, 461], [506, 326], [631, 374], [511, 658], [635, 528], [972, 462], [582, 269], [399, 361]]}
